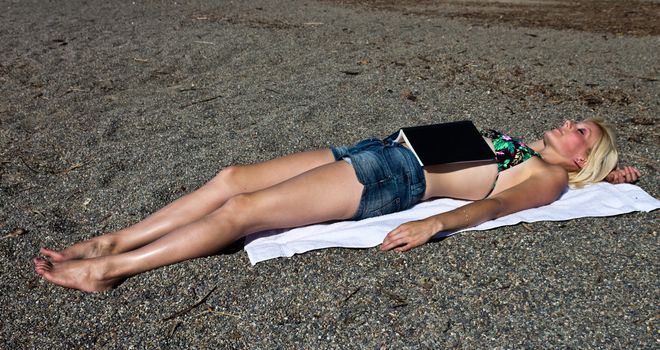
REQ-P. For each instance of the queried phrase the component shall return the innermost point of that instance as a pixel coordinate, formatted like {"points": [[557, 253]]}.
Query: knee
{"points": [[227, 177], [238, 203], [237, 210]]}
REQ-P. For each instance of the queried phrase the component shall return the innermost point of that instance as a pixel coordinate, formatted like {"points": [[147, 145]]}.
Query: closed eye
{"points": [[581, 131]]}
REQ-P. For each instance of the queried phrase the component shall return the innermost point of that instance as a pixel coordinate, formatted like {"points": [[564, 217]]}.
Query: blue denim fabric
{"points": [[392, 177]]}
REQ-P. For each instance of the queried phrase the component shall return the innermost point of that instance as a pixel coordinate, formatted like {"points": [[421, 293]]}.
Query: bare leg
{"points": [[329, 192], [228, 183]]}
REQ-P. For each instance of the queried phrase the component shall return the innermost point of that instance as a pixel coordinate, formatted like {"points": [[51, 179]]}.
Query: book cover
{"points": [[445, 143]]}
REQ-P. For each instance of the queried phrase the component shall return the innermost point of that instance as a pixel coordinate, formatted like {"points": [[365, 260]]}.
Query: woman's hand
{"points": [[628, 174], [409, 235]]}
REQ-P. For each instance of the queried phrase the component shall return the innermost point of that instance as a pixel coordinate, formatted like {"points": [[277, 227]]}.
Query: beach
{"points": [[109, 111]]}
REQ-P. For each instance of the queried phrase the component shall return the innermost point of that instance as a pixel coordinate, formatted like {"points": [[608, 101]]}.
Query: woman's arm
{"points": [[540, 188]]}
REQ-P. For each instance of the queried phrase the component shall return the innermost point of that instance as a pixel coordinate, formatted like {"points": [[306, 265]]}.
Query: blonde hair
{"points": [[602, 159]]}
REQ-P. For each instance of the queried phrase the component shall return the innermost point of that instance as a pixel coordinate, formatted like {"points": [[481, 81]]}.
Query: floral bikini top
{"points": [[509, 151]]}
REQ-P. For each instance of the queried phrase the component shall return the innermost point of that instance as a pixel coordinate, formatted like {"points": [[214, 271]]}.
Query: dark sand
{"points": [[109, 111]]}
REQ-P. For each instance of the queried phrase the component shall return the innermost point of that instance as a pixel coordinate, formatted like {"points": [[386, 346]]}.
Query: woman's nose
{"points": [[569, 124]]}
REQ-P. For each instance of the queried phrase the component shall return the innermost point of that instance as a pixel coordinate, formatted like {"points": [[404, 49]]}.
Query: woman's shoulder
{"points": [[537, 167], [531, 184], [544, 175]]}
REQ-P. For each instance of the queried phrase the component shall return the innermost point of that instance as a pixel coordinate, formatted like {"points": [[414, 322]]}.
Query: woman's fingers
{"points": [[389, 244], [610, 177], [627, 174], [404, 248], [614, 176], [396, 238], [632, 174], [406, 236], [390, 240]]}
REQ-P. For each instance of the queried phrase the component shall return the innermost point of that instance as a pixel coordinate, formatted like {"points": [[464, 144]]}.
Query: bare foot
{"points": [[92, 248], [87, 275]]}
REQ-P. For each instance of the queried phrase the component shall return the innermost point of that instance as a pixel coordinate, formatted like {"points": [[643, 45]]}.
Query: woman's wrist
{"points": [[436, 224]]}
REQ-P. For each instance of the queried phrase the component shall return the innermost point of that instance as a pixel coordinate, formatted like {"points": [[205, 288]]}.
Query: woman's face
{"points": [[574, 140]]}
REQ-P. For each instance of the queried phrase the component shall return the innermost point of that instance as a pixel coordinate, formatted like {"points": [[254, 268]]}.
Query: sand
{"points": [[108, 111]]}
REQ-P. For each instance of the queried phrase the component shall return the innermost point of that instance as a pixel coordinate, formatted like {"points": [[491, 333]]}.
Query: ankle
{"points": [[106, 269], [107, 244]]}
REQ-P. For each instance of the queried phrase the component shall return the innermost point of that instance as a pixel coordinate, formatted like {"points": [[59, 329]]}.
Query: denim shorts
{"points": [[392, 177]]}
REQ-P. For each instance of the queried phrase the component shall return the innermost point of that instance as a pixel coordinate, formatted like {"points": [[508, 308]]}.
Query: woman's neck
{"points": [[538, 146], [549, 155]]}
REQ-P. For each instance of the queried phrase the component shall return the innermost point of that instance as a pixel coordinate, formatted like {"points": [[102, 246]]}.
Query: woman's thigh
{"points": [[325, 193], [254, 177]]}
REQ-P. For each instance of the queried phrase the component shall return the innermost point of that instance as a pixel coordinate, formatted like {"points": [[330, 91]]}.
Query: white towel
{"points": [[602, 199]]}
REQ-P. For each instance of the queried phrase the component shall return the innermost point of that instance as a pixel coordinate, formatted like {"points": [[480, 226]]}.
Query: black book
{"points": [[452, 142]]}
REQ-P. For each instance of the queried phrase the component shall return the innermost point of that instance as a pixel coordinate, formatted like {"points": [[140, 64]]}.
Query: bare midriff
{"points": [[471, 181]]}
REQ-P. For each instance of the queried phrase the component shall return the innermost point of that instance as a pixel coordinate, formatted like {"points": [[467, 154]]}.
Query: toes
{"points": [[42, 266], [52, 254], [37, 264]]}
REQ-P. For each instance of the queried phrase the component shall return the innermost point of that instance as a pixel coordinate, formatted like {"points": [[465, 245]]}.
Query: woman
{"points": [[372, 178]]}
